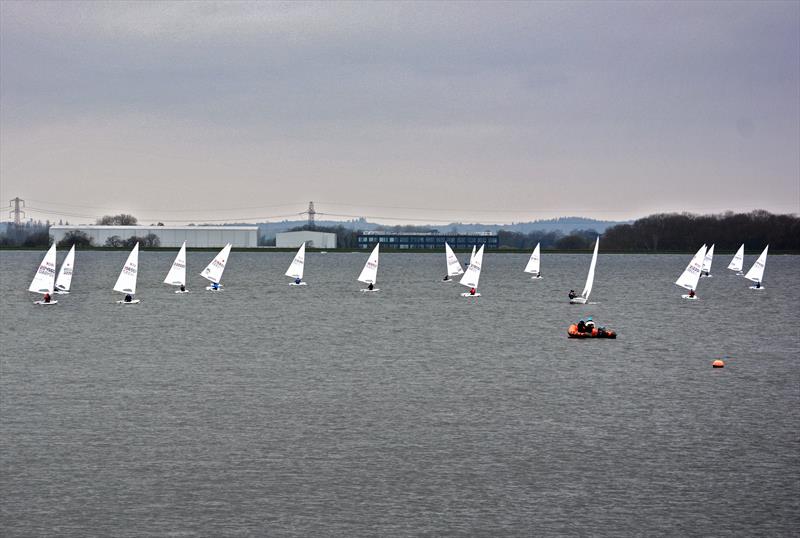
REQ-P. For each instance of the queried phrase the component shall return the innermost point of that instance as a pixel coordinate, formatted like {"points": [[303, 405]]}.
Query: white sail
{"points": [[45, 277], [691, 275], [756, 273], [737, 263], [709, 257], [369, 274], [214, 270], [126, 283], [295, 269], [64, 279], [533, 262], [473, 273], [472, 256], [587, 289], [177, 273], [453, 265]]}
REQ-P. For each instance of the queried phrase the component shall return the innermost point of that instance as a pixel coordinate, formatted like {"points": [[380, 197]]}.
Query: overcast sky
{"points": [[492, 112]]}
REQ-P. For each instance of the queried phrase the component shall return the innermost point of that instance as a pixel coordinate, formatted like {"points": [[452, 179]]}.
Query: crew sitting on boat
{"points": [[446, 278], [128, 298], [297, 280], [758, 285], [472, 291], [183, 287], [589, 324], [215, 285], [46, 298], [691, 293], [371, 286], [572, 294], [581, 326]]}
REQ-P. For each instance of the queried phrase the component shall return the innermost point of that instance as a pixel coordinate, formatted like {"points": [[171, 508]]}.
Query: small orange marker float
{"points": [[719, 363]]}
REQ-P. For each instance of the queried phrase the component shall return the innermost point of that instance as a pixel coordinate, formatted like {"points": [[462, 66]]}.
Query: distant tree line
{"points": [[576, 240], [118, 220], [149, 240], [686, 232]]}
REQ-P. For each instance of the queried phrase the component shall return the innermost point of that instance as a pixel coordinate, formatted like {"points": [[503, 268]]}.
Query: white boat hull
{"points": [[468, 294], [44, 303], [179, 291], [296, 284], [755, 288], [536, 278], [209, 288], [577, 300], [135, 301], [367, 290], [689, 298]]}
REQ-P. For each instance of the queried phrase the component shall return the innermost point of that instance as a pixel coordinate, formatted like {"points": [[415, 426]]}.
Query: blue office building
{"points": [[427, 240]]}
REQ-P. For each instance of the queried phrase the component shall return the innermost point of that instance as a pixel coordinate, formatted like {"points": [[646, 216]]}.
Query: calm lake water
{"points": [[321, 411]]}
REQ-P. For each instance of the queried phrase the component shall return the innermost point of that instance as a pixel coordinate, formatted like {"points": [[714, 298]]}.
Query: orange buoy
{"points": [[719, 363]]}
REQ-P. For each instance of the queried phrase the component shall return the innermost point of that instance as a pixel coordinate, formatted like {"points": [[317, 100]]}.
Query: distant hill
{"points": [[564, 225]]}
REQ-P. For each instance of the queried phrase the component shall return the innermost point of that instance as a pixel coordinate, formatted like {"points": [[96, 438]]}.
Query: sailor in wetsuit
{"points": [[46, 298], [581, 326], [370, 287], [183, 288], [589, 324], [691, 294], [128, 298], [215, 285], [297, 280], [572, 294], [472, 291], [446, 278]]}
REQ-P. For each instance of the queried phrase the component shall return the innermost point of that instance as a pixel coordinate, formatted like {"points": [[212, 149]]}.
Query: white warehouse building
{"points": [[169, 236], [310, 238]]}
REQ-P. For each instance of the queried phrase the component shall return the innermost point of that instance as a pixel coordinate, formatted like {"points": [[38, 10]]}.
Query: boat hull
{"points": [[135, 301], [42, 303]]}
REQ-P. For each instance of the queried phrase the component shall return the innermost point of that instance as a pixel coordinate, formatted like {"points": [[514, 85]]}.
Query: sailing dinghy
{"points": [[756, 273], [214, 271], [583, 298], [691, 275], [126, 282], [706, 270], [738, 261], [295, 269], [533, 264], [177, 273], [453, 265], [44, 280], [473, 275], [64, 278], [369, 274]]}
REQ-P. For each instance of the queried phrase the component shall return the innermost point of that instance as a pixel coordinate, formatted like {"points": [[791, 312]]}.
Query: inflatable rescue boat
{"points": [[596, 332]]}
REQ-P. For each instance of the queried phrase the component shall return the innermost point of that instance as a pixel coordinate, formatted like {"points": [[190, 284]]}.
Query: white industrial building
{"points": [[310, 238], [170, 236]]}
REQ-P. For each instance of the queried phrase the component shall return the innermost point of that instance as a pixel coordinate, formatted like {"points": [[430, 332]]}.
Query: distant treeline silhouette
{"points": [[686, 232]]}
